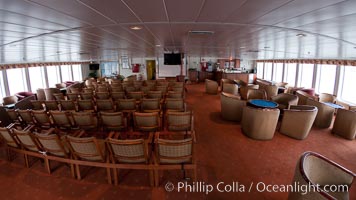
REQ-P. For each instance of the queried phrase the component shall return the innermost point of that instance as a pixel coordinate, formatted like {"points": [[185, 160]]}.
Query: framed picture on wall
{"points": [[125, 62]]}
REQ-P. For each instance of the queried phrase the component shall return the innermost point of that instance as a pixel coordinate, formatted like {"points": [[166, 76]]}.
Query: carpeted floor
{"points": [[223, 154]]}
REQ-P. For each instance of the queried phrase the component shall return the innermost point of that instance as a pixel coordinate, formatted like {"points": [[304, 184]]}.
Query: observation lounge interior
{"points": [[230, 99]]}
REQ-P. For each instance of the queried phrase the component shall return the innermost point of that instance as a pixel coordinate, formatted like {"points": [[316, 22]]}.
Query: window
{"points": [[109, 68], [37, 78], [66, 73], [325, 79], [306, 75], [53, 76], [77, 72], [277, 72], [268, 71], [260, 70], [347, 83], [2, 87], [16, 78], [290, 72]]}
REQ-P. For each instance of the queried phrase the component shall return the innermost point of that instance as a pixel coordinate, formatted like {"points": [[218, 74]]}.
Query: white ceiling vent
{"points": [[201, 32]]}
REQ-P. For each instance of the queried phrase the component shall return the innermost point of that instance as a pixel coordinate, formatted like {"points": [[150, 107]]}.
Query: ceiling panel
{"points": [[178, 11], [217, 11], [148, 11]]}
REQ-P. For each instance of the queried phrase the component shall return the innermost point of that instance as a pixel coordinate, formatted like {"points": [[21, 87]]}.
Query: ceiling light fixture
{"points": [[158, 45], [202, 32], [242, 47], [301, 35], [136, 28]]}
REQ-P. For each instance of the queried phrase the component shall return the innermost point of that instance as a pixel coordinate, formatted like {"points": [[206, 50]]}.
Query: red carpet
{"points": [[223, 154]]}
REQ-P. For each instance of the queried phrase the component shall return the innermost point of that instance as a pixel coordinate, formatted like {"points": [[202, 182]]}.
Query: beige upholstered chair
{"points": [[231, 88], [325, 97], [105, 105], [174, 104], [256, 94], [40, 94], [259, 123], [325, 114], [285, 100], [211, 87], [244, 89], [113, 121], [271, 90], [86, 105], [345, 124], [297, 121], [181, 122], [9, 100], [225, 81], [303, 96], [68, 105], [313, 172], [231, 107], [49, 93]]}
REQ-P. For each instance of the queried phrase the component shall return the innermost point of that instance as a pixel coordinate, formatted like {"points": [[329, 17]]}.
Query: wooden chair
{"points": [[26, 117], [113, 121], [174, 104], [133, 153], [51, 105], [174, 155], [181, 122], [68, 105], [58, 96], [88, 149], [42, 120], [102, 95], [87, 96], [85, 120], [37, 105], [147, 122], [176, 95], [73, 96], [151, 105], [10, 140], [62, 119], [117, 95], [86, 105], [105, 105], [14, 116]]}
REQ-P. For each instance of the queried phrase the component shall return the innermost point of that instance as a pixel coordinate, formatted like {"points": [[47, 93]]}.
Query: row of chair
{"points": [[112, 154]]}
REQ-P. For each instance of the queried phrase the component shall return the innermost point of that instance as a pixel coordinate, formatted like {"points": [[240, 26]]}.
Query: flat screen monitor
{"points": [[172, 59], [94, 66]]}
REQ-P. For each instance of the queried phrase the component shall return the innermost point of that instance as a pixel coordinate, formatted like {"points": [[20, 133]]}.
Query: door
{"points": [[151, 69]]}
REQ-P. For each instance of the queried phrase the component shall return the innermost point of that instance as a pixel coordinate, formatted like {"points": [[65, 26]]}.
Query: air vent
{"points": [[253, 51], [201, 32]]}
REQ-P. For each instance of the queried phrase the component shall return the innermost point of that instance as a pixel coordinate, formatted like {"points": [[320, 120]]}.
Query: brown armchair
{"points": [[231, 88], [259, 124], [256, 94], [9, 100], [244, 89], [303, 96], [231, 107], [285, 100], [49, 93], [325, 97], [345, 124], [297, 121], [313, 172], [325, 114], [271, 90], [211, 87]]}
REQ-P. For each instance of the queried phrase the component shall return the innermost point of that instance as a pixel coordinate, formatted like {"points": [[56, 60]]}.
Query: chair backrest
{"points": [[345, 124], [86, 105], [325, 113], [154, 95], [147, 121], [231, 88], [102, 95], [315, 171], [174, 151], [86, 148], [105, 105], [51, 105], [211, 87], [58, 96], [13, 115], [49, 93], [117, 95], [9, 100], [85, 120], [61, 119], [9, 138], [51, 144], [285, 99], [128, 151], [271, 90], [68, 105], [175, 94], [86, 96], [256, 94], [162, 88], [245, 88], [135, 95], [179, 121], [73, 96], [174, 104], [231, 106], [150, 105], [113, 121], [325, 97], [26, 116], [126, 105], [40, 94], [41, 118], [37, 104], [26, 140]]}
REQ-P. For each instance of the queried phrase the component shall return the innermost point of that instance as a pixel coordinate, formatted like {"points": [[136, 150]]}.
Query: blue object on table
{"points": [[263, 103], [336, 106]]}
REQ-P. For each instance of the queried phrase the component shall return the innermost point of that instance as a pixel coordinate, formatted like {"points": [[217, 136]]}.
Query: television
{"points": [[172, 59], [94, 66]]}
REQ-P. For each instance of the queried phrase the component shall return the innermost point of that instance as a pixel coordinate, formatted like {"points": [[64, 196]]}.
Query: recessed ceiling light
{"points": [[200, 32], [136, 27], [158, 45], [301, 35], [266, 47], [242, 47]]}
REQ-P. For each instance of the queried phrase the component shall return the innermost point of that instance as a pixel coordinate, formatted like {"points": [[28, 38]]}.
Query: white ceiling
{"points": [[74, 30]]}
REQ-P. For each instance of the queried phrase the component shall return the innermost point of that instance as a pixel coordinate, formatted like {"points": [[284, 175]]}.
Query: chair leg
{"points": [[78, 172], [156, 174], [47, 165], [151, 174], [108, 171], [116, 174], [26, 161], [72, 172]]}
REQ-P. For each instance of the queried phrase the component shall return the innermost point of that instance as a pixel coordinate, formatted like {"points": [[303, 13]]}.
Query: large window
{"points": [[347, 83], [37, 78], [277, 72], [325, 79], [77, 72], [268, 71], [66, 73], [2, 87], [306, 75], [16, 79], [260, 70], [290, 72], [53, 75]]}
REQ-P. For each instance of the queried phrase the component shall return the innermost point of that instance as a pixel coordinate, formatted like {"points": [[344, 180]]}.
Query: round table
{"points": [[261, 103]]}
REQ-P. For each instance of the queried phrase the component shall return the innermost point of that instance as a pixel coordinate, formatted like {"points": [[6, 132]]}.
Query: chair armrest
{"points": [[29, 127], [78, 133], [111, 134], [49, 131], [10, 126]]}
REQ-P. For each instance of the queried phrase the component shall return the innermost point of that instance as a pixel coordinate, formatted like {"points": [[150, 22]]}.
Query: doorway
{"points": [[151, 69]]}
